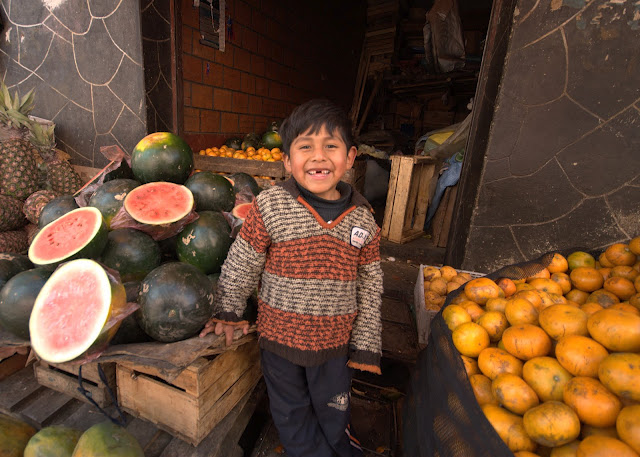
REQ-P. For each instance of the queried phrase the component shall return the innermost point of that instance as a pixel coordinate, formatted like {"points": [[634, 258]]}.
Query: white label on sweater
{"points": [[358, 236]]}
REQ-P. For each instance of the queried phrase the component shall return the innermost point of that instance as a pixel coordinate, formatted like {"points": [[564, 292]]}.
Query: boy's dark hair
{"points": [[312, 116]]}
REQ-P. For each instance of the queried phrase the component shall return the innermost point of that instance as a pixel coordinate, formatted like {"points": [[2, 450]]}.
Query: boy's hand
{"points": [[219, 328]]}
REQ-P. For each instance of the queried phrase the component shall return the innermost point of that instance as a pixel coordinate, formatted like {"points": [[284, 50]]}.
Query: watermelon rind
{"points": [[90, 298], [145, 211], [66, 232]]}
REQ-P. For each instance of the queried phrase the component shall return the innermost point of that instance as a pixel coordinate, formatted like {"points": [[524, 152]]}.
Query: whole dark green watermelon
{"points": [[132, 253], [176, 300], [211, 191], [242, 181], [109, 197], [205, 242], [12, 264], [162, 156], [250, 140], [57, 207], [234, 142], [17, 298]]}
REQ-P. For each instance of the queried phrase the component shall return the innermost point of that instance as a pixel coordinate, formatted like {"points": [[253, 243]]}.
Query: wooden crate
{"points": [[12, 364], [441, 222], [193, 403], [63, 377], [408, 197]]}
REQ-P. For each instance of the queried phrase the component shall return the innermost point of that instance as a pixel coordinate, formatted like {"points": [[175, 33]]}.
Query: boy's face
{"points": [[319, 161]]}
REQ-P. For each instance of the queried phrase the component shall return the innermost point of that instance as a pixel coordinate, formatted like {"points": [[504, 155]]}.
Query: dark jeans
{"points": [[311, 406]]}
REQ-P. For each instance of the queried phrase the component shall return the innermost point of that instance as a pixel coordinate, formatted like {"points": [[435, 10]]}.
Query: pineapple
{"points": [[61, 177], [35, 202], [15, 241], [11, 217], [18, 167], [31, 230]]}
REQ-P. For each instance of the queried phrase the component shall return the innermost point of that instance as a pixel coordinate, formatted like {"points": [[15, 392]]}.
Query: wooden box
{"points": [[408, 198], [12, 364], [192, 404], [270, 172], [441, 222], [63, 377]]}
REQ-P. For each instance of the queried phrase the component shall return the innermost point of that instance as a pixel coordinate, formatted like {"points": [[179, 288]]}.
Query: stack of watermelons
{"points": [[158, 237]]}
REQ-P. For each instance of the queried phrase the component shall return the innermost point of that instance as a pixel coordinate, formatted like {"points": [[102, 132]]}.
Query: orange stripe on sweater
{"points": [[317, 257], [307, 333]]}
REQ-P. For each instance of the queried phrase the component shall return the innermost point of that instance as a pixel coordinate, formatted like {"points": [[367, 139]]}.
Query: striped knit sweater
{"points": [[320, 283]]}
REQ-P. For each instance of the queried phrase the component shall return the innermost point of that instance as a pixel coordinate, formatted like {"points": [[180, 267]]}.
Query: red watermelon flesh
{"points": [[242, 210], [72, 310], [159, 203], [81, 232]]}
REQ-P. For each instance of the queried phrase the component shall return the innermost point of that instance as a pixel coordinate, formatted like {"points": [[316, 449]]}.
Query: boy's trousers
{"points": [[311, 406]]}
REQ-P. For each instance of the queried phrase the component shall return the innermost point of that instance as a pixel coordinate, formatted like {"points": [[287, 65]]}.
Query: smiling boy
{"points": [[312, 245]]}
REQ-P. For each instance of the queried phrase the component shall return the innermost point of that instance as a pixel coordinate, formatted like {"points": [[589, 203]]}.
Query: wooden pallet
{"points": [[192, 404], [408, 197], [63, 377], [23, 397]]}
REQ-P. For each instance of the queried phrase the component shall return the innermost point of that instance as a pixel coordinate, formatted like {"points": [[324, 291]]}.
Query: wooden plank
{"points": [[89, 370], [43, 405], [400, 202], [143, 431], [67, 383], [17, 388], [12, 365], [448, 216], [231, 165], [391, 196], [372, 96], [426, 173], [414, 186]]}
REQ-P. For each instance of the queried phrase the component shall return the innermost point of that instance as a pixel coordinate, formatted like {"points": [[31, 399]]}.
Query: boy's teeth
{"points": [[316, 172]]}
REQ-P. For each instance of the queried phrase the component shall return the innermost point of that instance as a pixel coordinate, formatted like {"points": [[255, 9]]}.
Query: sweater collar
{"points": [[356, 197]]}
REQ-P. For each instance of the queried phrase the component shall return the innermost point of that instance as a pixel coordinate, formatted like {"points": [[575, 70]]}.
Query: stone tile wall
{"points": [[562, 167], [84, 59]]}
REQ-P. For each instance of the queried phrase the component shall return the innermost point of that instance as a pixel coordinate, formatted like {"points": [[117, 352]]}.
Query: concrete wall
{"points": [[562, 167], [84, 60]]}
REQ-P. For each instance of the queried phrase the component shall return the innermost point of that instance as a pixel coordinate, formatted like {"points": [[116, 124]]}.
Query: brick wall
{"points": [[280, 54]]}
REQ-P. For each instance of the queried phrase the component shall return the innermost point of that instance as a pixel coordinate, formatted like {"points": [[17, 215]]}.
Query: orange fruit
{"points": [[620, 373], [563, 280], [520, 311], [558, 264], [603, 297], [510, 428], [586, 278], [566, 450], [604, 262], [603, 446], [451, 286], [620, 287], [470, 339], [439, 286], [532, 295], [448, 273], [481, 386], [628, 426], [455, 315], [474, 310], [546, 377], [430, 273], [494, 361], [482, 289], [605, 272], [563, 320], [552, 424], [577, 295], [523, 286], [513, 393], [593, 402], [507, 285], [625, 271], [542, 272], [495, 323], [580, 259], [470, 365], [591, 307], [620, 254], [636, 283], [580, 355], [526, 341], [626, 307], [496, 304], [634, 245], [616, 330], [590, 430], [547, 285]]}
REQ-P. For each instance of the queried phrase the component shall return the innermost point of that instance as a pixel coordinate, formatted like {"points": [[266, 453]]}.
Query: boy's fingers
{"points": [[218, 329], [229, 334]]}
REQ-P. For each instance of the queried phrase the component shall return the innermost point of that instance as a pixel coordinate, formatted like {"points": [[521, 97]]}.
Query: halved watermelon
{"points": [[159, 203], [80, 233], [242, 210], [74, 312]]}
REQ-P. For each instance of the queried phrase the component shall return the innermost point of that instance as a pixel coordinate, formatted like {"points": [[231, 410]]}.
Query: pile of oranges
{"points": [[554, 359], [251, 153]]}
